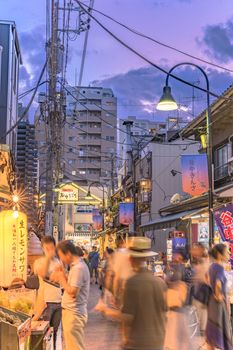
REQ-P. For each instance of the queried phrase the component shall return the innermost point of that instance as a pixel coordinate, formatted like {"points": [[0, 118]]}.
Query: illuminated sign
{"points": [[13, 247], [68, 194]]}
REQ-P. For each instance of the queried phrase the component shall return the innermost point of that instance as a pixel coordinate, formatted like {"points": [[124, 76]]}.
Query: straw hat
{"points": [[140, 247]]}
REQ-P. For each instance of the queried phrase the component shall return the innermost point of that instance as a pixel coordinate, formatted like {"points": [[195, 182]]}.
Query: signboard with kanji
{"points": [[126, 213], [13, 247], [68, 194], [224, 221], [195, 174]]}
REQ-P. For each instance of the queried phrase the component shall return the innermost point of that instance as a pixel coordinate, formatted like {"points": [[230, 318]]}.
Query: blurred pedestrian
{"points": [[143, 313], [218, 331], [177, 331], [121, 268], [94, 264], [201, 288], [76, 291], [48, 304]]}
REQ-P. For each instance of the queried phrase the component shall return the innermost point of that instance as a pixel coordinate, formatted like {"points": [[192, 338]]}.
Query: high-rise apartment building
{"points": [[89, 136], [27, 162], [9, 77]]}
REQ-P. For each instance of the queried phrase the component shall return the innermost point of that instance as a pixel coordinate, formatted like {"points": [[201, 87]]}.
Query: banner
{"points": [[13, 247], [97, 220], [195, 174], [126, 213], [224, 221]]}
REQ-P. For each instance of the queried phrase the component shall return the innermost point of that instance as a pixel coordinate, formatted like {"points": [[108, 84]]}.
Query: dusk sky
{"points": [[201, 27]]}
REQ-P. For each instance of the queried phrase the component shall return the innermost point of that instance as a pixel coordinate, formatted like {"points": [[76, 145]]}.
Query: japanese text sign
{"points": [[194, 174], [126, 213], [13, 247], [224, 221], [68, 194]]}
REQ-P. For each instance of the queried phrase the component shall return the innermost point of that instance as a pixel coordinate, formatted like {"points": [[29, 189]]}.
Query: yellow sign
{"points": [[13, 247], [68, 194]]}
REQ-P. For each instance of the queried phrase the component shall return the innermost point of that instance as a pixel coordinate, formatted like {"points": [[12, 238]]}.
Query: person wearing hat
{"points": [[143, 314]]}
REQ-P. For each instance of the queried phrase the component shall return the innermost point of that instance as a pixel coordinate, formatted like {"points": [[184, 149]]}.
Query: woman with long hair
{"points": [[218, 331]]}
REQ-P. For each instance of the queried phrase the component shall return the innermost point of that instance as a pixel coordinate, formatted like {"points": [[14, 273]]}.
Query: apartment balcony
{"points": [[89, 141]]}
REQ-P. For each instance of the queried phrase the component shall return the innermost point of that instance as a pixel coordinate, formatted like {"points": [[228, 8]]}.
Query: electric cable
{"points": [[29, 104], [135, 31], [147, 59]]}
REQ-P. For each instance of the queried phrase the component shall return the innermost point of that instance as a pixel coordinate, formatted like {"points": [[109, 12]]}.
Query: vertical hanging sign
{"points": [[13, 247], [195, 174]]}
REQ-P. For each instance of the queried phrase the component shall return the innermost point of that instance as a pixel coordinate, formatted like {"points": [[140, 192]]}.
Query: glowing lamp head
{"points": [[167, 102], [15, 214], [15, 198], [88, 197]]}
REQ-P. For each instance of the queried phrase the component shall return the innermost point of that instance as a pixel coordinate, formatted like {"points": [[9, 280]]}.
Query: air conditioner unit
{"points": [[176, 198]]}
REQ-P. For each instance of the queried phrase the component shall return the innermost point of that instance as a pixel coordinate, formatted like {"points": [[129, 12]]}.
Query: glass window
{"points": [[82, 172], [221, 158]]}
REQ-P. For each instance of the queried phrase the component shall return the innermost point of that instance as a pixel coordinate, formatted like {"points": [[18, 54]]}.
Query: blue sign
{"points": [[179, 244]]}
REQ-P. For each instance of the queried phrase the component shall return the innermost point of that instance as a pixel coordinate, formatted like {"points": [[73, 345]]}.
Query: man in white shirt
{"points": [[49, 296], [76, 291]]}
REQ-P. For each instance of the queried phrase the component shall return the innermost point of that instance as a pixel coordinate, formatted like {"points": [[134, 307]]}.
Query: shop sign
{"points": [[224, 221], [195, 174], [179, 245], [13, 247], [68, 194], [126, 213], [83, 228], [203, 232]]}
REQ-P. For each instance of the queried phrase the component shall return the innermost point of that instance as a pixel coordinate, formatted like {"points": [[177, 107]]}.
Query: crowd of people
{"points": [[189, 299]]}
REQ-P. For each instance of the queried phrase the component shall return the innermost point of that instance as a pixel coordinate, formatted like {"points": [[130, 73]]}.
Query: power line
{"points": [[29, 104], [25, 93], [134, 31], [148, 60]]}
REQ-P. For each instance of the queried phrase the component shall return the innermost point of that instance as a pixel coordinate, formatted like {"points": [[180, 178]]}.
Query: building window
{"points": [[112, 138], [71, 161], [71, 138], [221, 159], [82, 172], [71, 150]]}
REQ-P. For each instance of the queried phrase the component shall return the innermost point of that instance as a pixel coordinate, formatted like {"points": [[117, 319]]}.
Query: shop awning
{"points": [[167, 221]]}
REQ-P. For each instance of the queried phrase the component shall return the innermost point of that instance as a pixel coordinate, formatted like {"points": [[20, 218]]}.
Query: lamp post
{"points": [[89, 197], [168, 103]]}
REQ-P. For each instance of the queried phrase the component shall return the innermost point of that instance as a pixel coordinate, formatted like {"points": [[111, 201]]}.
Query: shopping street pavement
{"points": [[102, 334]]}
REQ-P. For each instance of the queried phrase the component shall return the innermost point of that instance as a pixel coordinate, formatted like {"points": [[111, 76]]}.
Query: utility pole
{"points": [[55, 53], [58, 28], [112, 174]]}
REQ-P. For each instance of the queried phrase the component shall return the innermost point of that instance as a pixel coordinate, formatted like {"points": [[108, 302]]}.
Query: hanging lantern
{"points": [[13, 246], [145, 185]]}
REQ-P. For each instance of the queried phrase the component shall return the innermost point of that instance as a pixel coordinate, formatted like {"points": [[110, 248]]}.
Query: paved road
{"points": [[100, 333]]}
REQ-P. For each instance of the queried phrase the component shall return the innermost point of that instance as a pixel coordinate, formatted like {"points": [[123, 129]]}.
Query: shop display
{"points": [[19, 300], [15, 330]]}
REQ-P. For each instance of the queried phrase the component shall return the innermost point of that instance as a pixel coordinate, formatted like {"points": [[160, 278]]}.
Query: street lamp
{"points": [[167, 103], [89, 197]]}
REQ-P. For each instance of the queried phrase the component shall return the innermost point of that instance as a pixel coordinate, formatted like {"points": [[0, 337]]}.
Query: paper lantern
{"points": [[13, 247]]}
